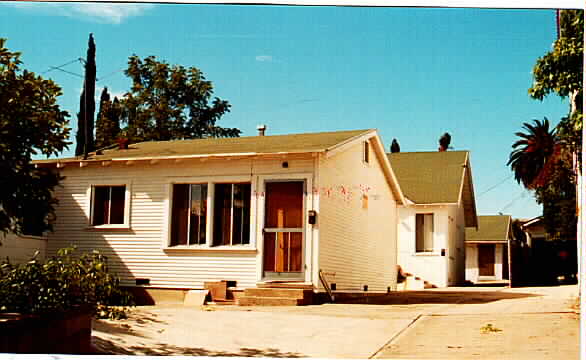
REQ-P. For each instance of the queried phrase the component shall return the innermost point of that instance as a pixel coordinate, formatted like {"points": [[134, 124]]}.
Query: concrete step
{"points": [[285, 285], [278, 292], [269, 301], [414, 283]]}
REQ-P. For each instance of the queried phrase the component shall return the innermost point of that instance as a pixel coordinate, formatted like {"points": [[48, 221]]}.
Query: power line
{"points": [[522, 195], [494, 186], [68, 72], [51, 68], [108, 75]]}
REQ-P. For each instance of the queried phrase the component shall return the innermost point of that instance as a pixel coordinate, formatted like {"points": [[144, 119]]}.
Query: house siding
{"points": [[357, 245], [20, 249], [140, 252]]}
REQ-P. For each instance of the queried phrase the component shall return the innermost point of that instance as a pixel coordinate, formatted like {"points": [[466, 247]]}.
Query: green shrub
{"points": [[62, 283]]}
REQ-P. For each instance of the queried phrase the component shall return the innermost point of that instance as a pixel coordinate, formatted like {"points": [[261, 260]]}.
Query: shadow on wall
{"points": [[107, 347], [72, 229]]}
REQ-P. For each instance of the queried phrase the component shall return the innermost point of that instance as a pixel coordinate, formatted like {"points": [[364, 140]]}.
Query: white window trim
{"points": [[308, 204], [366, 149], [210, 181], [127, 203], [433, 252]]}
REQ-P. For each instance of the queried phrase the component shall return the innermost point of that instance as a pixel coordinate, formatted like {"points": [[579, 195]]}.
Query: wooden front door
{"points": [[486, 260], [283, 230]]}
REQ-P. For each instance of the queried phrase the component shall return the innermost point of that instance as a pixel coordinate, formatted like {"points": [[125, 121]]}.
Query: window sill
{"points": [[116, 227], [204, 248], [427, 253]]}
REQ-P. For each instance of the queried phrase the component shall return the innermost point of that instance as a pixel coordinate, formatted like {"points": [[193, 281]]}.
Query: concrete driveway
{"points": [[403, 325]]}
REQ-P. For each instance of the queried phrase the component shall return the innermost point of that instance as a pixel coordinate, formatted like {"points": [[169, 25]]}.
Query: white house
{"points": [[249, 210], [440, 205], [488, 248], [21, 248]]}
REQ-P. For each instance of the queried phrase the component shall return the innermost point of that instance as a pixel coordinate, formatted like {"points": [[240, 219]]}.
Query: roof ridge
{"points": [[428, 152], [358, 131]]}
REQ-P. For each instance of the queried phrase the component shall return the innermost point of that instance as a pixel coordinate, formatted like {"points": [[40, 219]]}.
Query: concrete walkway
{"points": [[541, 326], [526, 323]]}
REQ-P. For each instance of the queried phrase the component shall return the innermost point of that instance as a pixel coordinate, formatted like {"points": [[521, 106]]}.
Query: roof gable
{"points": [[490, 228], [430, 177], [436, 178]]}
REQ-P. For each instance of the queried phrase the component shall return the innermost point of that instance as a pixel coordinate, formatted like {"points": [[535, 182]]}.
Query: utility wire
{"points": [[522, 195], [494, 186], [68, 72], [108, 75], [51, 68]]}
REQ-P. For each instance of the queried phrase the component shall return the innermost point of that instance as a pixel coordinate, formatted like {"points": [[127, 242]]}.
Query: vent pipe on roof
{"points": [[261, 129]]}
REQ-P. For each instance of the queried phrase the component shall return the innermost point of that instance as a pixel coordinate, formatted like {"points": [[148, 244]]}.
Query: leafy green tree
{"points": [[87, 104], [532, 152], [544, 160], [171, 102], [108, 121], [557, 195], [31, 122], [560, 72]]}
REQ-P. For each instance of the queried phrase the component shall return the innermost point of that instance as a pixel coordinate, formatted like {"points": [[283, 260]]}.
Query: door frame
{"points": [[493, 248], [308, 204]]}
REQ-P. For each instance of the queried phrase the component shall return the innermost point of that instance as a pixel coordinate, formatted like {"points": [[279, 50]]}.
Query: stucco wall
{"points": [[20, 249], [431, 267]]}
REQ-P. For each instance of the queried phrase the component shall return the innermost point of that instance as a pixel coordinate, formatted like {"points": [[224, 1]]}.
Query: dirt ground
{"points": [[455, 323]]}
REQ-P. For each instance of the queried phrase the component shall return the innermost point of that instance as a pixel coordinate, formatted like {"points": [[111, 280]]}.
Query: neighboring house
{"points": [[440, 205], [176, 214], [488, 248], [534, 229]]}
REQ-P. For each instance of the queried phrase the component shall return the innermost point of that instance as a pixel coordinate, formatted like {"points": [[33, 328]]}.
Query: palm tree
{"points": [[532, 152]]}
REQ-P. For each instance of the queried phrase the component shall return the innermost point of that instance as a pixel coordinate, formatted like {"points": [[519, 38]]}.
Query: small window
{"points": [[108, 205], [423, 232], [189, 214], [365, 155], [231, 214]]}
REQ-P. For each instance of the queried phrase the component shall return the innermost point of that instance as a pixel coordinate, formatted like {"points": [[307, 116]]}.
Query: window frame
{"points": [[210, 211], [366, 152], [90, 195], [433, 226]]}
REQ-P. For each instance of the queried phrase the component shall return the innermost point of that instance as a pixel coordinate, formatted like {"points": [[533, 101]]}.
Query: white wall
{"points": [[431, 267], [472, 262], [20, 249], [472, 272], [139, 251], [357, 238]]}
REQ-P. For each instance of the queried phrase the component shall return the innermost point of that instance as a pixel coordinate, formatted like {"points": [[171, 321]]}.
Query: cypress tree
{"points": [[87, 104], [108, 121]]}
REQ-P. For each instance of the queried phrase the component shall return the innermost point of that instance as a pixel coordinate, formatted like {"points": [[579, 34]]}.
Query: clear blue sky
{"points": [[412, 73]]}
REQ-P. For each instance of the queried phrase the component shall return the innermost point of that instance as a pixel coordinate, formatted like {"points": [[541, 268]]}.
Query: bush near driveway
{"points": [[63, 283]]}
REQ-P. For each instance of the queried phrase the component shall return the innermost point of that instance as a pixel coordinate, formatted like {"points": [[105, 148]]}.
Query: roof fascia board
{"points": [[467, 177], [486, 241], [387, 168], [175, 157], [420, 205], [344, 145]]}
